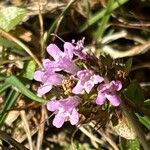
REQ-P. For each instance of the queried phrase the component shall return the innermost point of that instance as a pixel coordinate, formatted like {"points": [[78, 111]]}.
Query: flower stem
{"points": [[135, 126]]}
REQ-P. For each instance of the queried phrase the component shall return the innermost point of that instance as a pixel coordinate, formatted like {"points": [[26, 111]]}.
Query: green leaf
{"points": [[128, 65], [147, 102], [15, 82], [10, 100], [133, 145], [144, 120], [134, 93], [29, 69], [11, 16], [129, 144]]}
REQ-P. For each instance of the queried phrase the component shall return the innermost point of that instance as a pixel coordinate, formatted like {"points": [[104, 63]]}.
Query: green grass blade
{"points": [[10, 100], [144, 120], [104, 21], [100, 14], [4, 86], [15, 82]]}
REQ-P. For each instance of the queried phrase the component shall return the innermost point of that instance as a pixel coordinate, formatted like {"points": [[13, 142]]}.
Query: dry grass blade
{"points": [[108, 139], [26, 128], [131, 52], [41, 128]]}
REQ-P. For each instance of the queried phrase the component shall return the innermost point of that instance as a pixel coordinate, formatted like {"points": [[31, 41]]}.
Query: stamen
{"points": [[58, 37]]}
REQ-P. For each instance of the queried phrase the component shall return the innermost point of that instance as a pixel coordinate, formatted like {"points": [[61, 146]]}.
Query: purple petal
{"points": [[54, 51], [104, 87], [88, 86], [97, 79], [44, 89], [78, 89], [100, 98], [53, 105], [53, 79], [117, 85], [74, 117], [73, 101], [68, 49], [59, 120], [69, 103], [114, 99], [50, 66], [68, 65], [84, 74], [38, 75]]}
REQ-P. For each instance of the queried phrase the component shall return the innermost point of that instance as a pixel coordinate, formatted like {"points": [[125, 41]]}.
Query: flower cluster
{"points": [[63, 67]]}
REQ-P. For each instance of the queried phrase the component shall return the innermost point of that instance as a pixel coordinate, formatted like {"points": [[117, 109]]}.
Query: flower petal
{"points": [[97, 79], [78, 89], [68, 49], [100, 98], [53, 105], [88, 86], [67, 65], [38, 75], [70, 102], [54, 51], [114, 99], [50, 66], [74, 117], [53, 78], [117, 85], [59, 120], [44, 89]]}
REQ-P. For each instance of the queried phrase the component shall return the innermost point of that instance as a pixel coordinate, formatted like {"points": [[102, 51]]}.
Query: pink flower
{"points": [[48, 77], [65, 109], [63, 60], [109, 91], [86, 81]]}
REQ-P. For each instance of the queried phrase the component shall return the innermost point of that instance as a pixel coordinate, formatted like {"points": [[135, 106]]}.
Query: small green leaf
{"points": [[128, 65], [144, 120], [11, 16], [134, 93], [29, 69], [147, 102], [133, 145], [129, 144]]}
